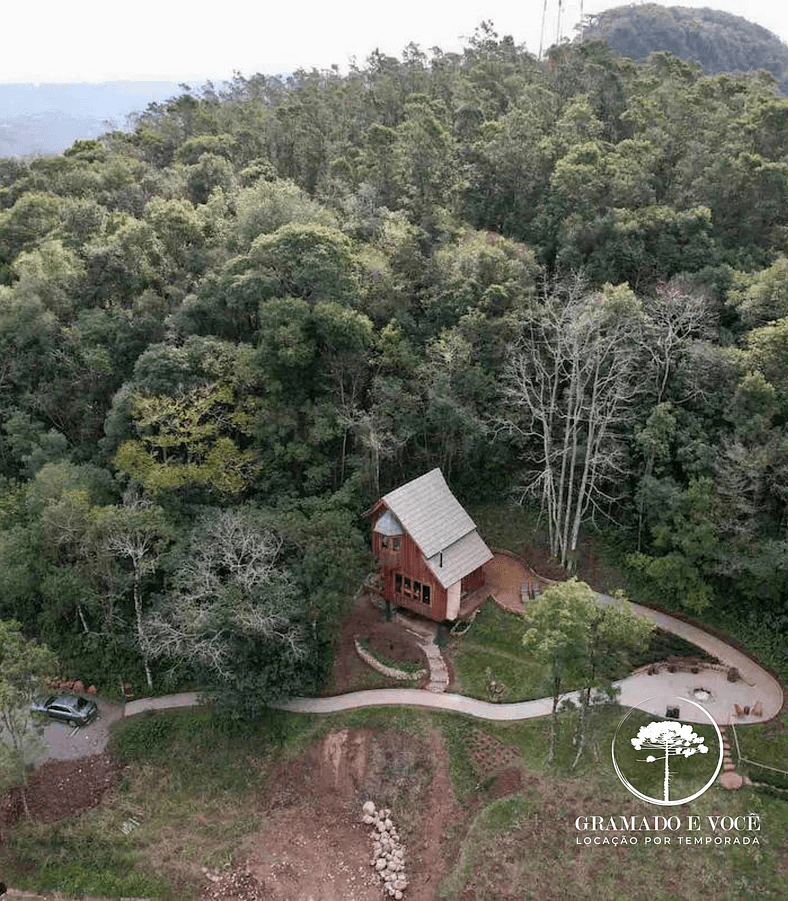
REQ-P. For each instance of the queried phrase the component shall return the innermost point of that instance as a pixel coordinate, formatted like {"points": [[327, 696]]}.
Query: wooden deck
{"points": [[507, 579], [473, 600]]}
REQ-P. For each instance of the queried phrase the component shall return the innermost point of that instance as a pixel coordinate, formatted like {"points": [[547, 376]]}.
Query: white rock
{"points": [[380, 863], [368, 808], [397, 895], [389, 824]]}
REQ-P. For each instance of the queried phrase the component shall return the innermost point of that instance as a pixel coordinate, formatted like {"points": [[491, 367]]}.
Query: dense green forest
{"points": [[225, 333], [716, 40]]}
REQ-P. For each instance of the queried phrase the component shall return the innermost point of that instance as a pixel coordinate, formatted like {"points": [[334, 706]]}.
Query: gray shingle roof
{"points": [[459, 559], [437, 522], [430, 513]]}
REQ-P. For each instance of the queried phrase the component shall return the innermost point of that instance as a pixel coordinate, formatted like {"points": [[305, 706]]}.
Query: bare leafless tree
{"points": [[568, 389], [376, 437], [674, 318], [136, 531], [231, 584]]}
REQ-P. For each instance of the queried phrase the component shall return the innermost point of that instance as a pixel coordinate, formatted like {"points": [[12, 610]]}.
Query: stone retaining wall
{"points": [[389, 671]]}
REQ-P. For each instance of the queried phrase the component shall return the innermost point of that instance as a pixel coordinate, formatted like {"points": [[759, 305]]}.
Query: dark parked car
{"points": [[73, 709]]}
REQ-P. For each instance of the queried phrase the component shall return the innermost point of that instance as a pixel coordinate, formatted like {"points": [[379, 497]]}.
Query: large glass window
{"points": [[411, 588]]}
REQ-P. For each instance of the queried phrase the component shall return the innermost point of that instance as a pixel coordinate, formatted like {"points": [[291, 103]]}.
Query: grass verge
{"points": [[528, 845]]}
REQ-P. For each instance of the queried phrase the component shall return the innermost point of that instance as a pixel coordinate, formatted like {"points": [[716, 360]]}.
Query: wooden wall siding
{"points": [[409, 561], [436, 610], [473, 580]]}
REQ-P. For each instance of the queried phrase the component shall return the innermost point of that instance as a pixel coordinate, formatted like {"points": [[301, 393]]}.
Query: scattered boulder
{"points": [[79, 686], [388, 855], [91, 690]]}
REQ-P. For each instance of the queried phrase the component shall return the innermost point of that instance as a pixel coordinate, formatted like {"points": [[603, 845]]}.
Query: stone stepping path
{"points": [[439, 673], [425, 633], [728, 778], [634, 688]]}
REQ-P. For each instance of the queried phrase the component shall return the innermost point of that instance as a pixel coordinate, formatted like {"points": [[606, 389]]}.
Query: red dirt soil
{"points": [[59, 789], [313, 845], [386, 638]]}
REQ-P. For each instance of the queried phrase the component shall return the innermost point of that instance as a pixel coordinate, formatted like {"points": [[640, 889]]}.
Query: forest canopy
{"points": [[234, 327]]}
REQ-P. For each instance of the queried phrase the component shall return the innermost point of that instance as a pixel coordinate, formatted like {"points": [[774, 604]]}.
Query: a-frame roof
{"points": [[429, 512]]}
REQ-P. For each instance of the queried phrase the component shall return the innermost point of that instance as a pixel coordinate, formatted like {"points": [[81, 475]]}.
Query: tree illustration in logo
{"points": [[674, 738]]}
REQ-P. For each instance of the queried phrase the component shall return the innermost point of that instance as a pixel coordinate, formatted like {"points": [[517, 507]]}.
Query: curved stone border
{"points": [[390, 671]]}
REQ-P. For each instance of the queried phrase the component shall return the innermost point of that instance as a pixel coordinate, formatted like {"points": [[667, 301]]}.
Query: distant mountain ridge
{"points": [[718, 41], [48, 118]]}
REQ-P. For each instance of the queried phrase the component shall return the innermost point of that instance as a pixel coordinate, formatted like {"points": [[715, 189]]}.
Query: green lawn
{"points": [[529, 840], [494, 643]]}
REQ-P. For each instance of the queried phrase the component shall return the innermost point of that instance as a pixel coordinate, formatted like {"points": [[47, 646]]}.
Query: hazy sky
{"points": [[51, 40]]}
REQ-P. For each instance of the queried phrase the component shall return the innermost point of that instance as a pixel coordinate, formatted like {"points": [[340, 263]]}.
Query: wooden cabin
{"points": [[428, 550]]}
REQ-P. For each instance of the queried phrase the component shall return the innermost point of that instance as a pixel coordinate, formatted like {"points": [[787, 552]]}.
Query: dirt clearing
{"points": [[312, 845], [59, 789]]}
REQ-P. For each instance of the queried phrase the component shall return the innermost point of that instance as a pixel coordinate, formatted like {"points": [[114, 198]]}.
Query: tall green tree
{"points": [[556, 634], [25, 666], [585, 640]]}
